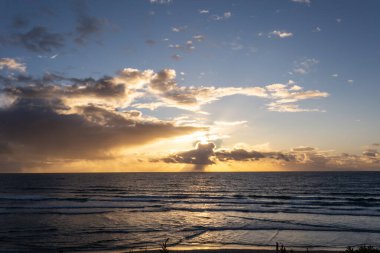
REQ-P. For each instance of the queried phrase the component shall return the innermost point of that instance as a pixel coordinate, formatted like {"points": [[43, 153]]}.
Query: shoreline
{"points": [[238, 249]]}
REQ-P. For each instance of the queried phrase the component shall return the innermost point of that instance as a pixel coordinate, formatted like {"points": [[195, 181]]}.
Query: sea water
{"points": [[121, 211]]}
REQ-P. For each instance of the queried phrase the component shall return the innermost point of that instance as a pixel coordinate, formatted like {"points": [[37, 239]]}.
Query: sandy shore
{"points": [[241, 250], [289, 250]]}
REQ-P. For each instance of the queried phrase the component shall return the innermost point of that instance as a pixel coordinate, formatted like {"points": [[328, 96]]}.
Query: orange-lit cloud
{"points": [[300, 158], [55, 119]]}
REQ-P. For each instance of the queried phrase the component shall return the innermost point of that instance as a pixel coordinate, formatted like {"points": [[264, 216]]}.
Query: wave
{"points": [[30, 212]]}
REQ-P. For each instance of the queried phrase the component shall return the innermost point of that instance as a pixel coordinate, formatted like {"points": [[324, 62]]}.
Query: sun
{"points": [[203, 139]]}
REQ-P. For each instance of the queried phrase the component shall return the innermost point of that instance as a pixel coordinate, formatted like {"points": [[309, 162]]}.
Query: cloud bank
{"points": [[299, 158], [60, 118]]}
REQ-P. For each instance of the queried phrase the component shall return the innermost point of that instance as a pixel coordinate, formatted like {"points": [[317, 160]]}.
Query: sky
{"points": [[189, 85]]}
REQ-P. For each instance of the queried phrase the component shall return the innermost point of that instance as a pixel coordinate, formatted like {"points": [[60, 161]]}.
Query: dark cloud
{"points": [[20, 22], [200, 157], [39, 39], [56, 118], [4, 148], [301, 158], [37, 129], [176, 57], [250, 155], [371, 153], [303, 149], [51, 86], [205, 154], [239, 155], [86, 27], [150, 42]]}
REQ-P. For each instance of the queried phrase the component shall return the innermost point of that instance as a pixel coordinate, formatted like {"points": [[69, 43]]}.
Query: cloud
{"points": [[199, 38], [170, 94], [37, 39], [350, 81], [250, 155], [280, 34], [150, 42], [35, 131], [371, 153], [206, 154], [200, 156], [305, 66], [204, 11], [303, 149], [308, 2], [300, 158], [86, 27], [70, 91], [276, 107], [230, 123], [146, 89], [179, 29], [12, 64], [167, 93], [20, 22], [160, 1], [176, 57], [284, 97], [41, 40], [187, 46], [56, 118], [226, 15]]}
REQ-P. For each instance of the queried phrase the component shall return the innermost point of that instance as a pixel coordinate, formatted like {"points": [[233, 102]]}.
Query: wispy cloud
{"points": [[20, 22], [12, 64], [179, 29], [199, 37], [150, 42], [37, 39], [298, 158], [226, 15], [280, 34], [285, 97], [160, 1], [188, 45], [305, 66], [308, 2], [86, 26], [204, 11], [176, 57]]}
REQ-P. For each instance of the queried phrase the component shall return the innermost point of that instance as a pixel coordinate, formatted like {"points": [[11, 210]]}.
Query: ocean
{"points": [[121, 211]]}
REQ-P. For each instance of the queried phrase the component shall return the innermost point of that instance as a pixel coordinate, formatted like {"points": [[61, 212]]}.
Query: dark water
{"points": [[94, 212]]}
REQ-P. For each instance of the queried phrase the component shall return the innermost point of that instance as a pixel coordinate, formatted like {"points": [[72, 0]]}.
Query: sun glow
{"points": [[203, 139]]}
